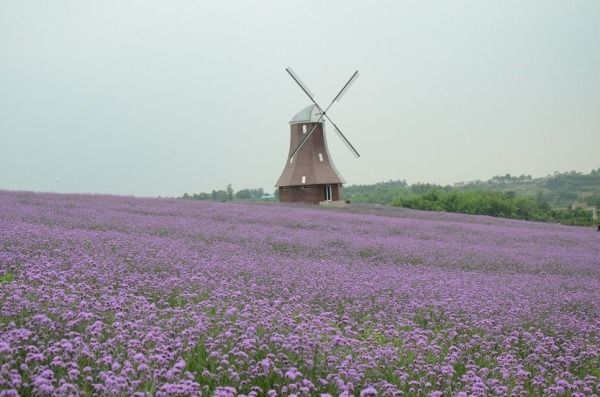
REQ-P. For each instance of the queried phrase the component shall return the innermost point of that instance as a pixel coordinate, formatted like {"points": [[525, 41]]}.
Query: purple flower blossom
{"points": [[368, 392], [292, 373]]}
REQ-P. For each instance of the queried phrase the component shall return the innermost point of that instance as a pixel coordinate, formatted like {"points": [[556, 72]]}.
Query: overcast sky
{"points": [[166, 97]]}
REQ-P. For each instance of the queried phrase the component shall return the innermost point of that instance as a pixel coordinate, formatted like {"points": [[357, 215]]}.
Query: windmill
{"points": [[309, 174]]}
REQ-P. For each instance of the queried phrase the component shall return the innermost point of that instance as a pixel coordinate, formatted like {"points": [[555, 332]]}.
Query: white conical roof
{"points": [[309, 114]]}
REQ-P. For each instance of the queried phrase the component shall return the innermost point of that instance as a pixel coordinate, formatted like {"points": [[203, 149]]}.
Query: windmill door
{"points": [[327, 192]]}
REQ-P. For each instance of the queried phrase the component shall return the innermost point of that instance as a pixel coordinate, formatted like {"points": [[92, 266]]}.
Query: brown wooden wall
{"points": [[312, 163], [308, 194]]}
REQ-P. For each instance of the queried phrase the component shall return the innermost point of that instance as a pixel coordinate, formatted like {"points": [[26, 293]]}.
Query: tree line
{"points": [[553, 198], [548, 199], [499, 204], [229, 194]]}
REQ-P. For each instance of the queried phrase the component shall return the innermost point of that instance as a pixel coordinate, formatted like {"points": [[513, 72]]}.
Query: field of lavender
{"points": [[121, 296]]}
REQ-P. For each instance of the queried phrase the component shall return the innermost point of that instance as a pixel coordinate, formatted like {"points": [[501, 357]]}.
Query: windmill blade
{"points": [[346, 141], [337, 98], [304, 88], [343, 90], [305, 139]]}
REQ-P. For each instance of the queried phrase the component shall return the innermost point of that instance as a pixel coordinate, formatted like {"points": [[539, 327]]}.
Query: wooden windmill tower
{"points": [[309, 174]]}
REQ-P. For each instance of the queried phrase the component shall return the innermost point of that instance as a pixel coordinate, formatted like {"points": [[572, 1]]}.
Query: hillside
{"points": [[560, 189], [562, 197], [104, 295]]}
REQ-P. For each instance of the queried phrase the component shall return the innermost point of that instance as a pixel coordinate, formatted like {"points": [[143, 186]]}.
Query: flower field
{"points": [[119, 296]]}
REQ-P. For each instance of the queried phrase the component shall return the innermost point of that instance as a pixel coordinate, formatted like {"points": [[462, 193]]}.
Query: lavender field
{"points": [[119, 296]]}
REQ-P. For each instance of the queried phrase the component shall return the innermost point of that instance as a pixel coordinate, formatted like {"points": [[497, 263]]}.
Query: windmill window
{"points": [[321, 157], [304, 128], [303, 179]]}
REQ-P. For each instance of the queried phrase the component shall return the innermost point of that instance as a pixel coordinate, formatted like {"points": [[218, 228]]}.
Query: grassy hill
{"points": [[561, 190], [563, 197]]}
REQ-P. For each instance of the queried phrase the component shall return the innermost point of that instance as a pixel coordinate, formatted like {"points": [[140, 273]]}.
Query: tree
{"points": [[257, 193], [243, 194], [220, 195], [229, 190], [201, 196]]}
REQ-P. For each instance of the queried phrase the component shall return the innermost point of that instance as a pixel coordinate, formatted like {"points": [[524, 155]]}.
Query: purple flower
{"points": [[4, 347], [292, 373], [368, 392], [126, 296]]}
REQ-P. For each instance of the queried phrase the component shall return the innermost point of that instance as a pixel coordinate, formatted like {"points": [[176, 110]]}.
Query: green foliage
{"points": [[175, 299], [379, 193], [548, 199], [219, 195], [249, 194], [198, 196], [499, 204], [594, 200], [7, 277], [215, 195], [367, 253], [229, 194]]}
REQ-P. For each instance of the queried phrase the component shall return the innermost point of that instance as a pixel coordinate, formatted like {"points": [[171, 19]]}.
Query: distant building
{"points": [[586, 207]]}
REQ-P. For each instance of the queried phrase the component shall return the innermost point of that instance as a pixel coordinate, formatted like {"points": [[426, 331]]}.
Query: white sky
{"points": [[166, 97]]}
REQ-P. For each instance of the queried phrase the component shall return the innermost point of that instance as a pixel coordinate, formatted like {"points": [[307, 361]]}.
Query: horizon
{"points": [[221, 188]]}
